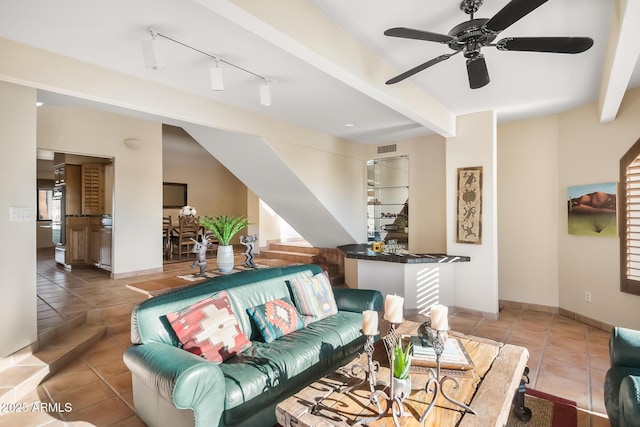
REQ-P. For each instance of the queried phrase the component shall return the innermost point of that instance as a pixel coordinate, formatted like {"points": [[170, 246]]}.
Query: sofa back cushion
{"points": [[149, 322]]}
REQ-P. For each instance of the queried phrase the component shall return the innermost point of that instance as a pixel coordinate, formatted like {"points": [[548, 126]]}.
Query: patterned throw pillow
{"points": [[210, 329], [276, 318], [314, 297]]}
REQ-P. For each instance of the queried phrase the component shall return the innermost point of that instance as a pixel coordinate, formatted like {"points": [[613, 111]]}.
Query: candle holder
{"points": [[395, 397], [370, 369], [435, 384]]}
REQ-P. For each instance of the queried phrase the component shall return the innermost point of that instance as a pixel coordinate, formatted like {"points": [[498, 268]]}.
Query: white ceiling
{"points": [[523, 84]]}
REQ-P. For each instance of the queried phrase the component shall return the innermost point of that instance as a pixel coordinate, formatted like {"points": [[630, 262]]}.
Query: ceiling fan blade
{"points": [[409, 33], [419, 68], [546, 44], [477, 71], [512, 12]]}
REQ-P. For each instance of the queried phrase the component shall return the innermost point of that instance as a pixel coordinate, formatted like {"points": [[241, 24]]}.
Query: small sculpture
{"points": [[249, 242], [200, 248]]}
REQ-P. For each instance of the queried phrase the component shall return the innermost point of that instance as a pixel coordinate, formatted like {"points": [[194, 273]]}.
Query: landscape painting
{"points": [[592, 210]]}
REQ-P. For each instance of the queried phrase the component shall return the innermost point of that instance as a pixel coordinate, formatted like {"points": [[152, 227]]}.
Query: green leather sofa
{"points": [[622, 381], [173, 387]]}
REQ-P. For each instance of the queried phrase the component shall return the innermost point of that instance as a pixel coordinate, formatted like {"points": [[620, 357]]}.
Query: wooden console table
{"points": [[488, 389]]}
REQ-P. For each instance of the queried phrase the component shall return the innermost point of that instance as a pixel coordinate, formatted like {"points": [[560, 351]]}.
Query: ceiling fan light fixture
{"points": [[217, 78], [150, 53], [477, 72], [475, 34]]}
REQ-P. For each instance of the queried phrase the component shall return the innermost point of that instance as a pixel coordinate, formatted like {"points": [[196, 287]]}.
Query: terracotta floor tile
{"points": [[121, 383], [580, 359], [132, 421], [599, 420], [551, 368], [69, 379], [105, 413], [86, 396], [584, 419], [564, 387], [497, 332]]}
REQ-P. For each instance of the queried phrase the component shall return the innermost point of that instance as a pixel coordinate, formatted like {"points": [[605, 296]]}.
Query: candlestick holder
{"points": [[394, 400], [370, 370], [435, 384]]}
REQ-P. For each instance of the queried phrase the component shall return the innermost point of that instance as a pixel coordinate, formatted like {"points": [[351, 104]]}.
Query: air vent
{"points": [[391, 148]]}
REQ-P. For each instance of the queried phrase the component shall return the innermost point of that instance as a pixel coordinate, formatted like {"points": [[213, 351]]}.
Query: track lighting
{"points": [[265, 93], [217, 80], [152, 60], [150, 54]]}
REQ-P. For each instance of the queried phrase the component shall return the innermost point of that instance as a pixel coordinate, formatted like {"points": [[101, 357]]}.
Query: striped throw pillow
{"points": [[314, 297]]}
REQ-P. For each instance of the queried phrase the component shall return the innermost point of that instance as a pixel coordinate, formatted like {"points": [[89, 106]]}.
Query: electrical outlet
{"points": [[587, 296]]}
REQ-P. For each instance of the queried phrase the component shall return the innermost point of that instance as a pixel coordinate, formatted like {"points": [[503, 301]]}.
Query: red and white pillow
{"points": [[209, 328]]}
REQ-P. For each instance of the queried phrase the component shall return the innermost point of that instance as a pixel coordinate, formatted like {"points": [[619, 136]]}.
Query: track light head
{"points": [[152, 58], [265, 93], [217, 80]]}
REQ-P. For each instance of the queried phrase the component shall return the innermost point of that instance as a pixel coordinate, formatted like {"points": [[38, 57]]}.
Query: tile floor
{"points": [[567, 358]]}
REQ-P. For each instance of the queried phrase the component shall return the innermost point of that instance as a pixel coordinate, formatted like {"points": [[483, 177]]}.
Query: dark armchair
{"points": [[622, 382]]}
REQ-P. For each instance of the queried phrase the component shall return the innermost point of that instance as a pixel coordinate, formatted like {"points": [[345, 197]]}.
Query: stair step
{"points": [[51, 335], [288, 247], [301, 257], [119, 324], [66, 349], [116, 318], [19, 379]]}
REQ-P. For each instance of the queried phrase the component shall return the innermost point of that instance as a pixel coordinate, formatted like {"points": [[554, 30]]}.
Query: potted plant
{"points": [[224, 227], [401, 365]]}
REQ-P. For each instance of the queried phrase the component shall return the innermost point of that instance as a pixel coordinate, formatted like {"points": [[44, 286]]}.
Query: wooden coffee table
{"points": [[488, 389]]}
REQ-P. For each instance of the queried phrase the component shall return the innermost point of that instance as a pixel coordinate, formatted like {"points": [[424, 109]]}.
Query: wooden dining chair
{"points": [[188, 228]]}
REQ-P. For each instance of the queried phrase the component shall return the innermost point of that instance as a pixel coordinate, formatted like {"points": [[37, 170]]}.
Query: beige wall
{"points": [[211, 188], [137, 202], [17, 253], [589, 153], [528, 205], [540, 262], [475, 282]]}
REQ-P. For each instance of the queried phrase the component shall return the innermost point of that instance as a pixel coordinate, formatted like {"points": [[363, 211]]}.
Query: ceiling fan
{"points": [[471, 36]]}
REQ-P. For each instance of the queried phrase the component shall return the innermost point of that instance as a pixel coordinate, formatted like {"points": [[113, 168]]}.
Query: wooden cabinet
{"points": [[77, 240], [99, 247], [92, 189], [72, 178], [88, 242]]}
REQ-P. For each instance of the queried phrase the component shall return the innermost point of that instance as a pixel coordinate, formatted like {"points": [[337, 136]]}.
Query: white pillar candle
{"points": [[393, 309], [439, 320], [370, 322]]}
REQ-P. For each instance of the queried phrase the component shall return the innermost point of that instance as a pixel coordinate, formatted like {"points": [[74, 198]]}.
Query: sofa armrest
{"points": [[624, 347], [629, 401], [358, 300], [187, 380]]}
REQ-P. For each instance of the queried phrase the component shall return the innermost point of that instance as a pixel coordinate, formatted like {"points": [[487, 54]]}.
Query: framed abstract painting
{"points": [[591, 210], [469, 205]]}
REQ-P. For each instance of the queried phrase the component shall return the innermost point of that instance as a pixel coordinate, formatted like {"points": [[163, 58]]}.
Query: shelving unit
{"points": [[388, 199]]}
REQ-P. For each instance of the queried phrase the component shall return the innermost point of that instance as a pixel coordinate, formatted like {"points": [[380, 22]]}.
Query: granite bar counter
{"points": [[422, 279], [363, 251]]}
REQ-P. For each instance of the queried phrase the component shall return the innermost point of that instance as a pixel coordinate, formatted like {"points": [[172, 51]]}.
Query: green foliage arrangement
{"points": [[402, 361], [224, 227]]}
